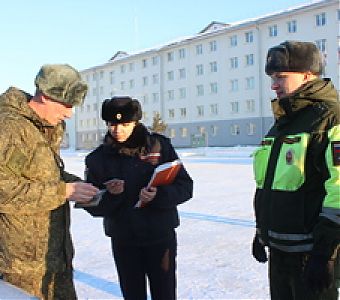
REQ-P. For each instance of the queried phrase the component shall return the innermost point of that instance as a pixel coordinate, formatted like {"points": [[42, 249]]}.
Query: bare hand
{"points": [[147, 194], [80, 191], [115, 186]]}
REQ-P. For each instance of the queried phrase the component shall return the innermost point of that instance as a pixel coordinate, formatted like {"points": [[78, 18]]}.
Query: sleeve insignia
{"points": [[336, 153], [16, 161]]}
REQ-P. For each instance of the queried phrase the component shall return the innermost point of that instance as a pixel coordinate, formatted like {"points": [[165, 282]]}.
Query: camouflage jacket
{"points": [[34, 214]]}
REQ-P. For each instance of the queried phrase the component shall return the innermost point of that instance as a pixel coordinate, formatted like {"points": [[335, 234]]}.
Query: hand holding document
{"points": [[164, 174]]}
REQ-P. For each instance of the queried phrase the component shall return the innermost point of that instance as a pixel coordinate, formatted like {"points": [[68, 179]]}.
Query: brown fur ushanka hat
{"points": [[121, 109], [294, 56]]}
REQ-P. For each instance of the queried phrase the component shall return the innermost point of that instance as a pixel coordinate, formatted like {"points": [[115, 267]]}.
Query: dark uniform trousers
{"points": [[156, 262], [286, 278], [53, 286]]}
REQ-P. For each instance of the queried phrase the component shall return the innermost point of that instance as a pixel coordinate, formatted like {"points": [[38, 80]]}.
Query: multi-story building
{"points": [[212, 84]]}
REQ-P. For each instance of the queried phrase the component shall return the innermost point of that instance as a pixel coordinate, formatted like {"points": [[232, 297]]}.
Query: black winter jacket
{"points": [[297, 201], [122, 221]]}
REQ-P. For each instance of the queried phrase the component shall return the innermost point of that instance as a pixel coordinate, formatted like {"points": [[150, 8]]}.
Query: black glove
{"points": [[258, 250], [319, 273]]}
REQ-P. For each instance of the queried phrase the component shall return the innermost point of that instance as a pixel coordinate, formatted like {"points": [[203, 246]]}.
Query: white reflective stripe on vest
{"points": [[290, 236], [331, 213], [296, 248]]}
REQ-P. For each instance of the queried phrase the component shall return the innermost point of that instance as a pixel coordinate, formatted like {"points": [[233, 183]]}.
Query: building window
{"points": [[95, 107], [291, 26], [273, 30], [183, 112], [213, 46], [213, 66], [171, 113], [250, 83], [214, 109], [213, 87], [122, 69], [112, 77], [249, 59], [235, 129], [155, 78], [199, 49], [320, 19], [122, 85], [131, 83], [155, 97], [251, 127], [200, 110], [234, 62], [249, 37], [338, 11], [182, 73], [321, 44], [170, 56], [172, 132], [181, 53], [234, 107], [144, 63], [233, 41], [250, 105], [101, 90], [131, 67], [145, 116], [171, 95], [154, 60], [214, 130], [182, 93], [101, 74], [199, 90], [145, 80], [145, 99], [170, 75], [184, 132], [199, 70], [94, 76], [234, 85]]}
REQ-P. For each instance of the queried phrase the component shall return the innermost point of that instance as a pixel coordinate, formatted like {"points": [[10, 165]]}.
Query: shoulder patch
{"points": [[336, 153], [17, 161]]}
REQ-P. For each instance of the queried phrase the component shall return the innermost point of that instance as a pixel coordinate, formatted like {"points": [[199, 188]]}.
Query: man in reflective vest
{"points": [[297, 173]]}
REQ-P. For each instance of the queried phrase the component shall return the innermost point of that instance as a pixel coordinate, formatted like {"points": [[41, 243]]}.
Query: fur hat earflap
{"points": [[294, 56], [121, 109]]}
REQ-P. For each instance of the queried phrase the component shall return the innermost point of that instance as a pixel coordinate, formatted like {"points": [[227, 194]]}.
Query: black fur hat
{"points": [[294, 56], [121, 109]]}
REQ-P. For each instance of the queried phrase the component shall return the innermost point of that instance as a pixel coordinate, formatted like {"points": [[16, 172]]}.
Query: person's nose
{"points": [[274, 85]]}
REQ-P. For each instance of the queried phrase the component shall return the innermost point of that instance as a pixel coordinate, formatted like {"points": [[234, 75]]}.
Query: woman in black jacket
{"points": [[143, 238]]}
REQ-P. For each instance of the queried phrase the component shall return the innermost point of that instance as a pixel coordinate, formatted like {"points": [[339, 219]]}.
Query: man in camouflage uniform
{"points": [[35, 244]]}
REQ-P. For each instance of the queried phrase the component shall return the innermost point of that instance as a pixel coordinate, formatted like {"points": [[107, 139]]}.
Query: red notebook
{"points": [[165, 173]]}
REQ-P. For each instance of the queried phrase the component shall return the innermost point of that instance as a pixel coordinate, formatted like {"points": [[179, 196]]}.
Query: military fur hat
{"points": [[61, 83], [121, 109], [294, 56]]}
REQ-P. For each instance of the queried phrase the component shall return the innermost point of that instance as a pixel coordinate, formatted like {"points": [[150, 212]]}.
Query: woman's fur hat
{"points": [[121, 109]]}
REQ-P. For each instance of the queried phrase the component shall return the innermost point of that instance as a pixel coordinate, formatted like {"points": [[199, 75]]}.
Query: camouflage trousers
{"points": [[51, 286]]}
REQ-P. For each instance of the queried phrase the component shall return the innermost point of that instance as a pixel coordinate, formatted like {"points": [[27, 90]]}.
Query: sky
{"points": [[86, 33]]}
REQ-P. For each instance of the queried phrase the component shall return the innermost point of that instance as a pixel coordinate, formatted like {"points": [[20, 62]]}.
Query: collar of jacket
{"points": [[135, 145], [314, 91]]}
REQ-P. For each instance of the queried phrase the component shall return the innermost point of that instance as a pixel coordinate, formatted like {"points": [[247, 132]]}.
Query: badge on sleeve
{"points": [[336, 153], [17, 161]]}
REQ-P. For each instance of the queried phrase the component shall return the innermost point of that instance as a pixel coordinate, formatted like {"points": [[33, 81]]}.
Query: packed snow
{"points": [[214, 239]]}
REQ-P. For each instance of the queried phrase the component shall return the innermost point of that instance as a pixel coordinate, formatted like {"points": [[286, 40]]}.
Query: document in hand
{"points": [[93, 202], [165, 173]]}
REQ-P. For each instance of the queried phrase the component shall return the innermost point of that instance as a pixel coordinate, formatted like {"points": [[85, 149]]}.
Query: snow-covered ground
{"points": [[214, 238]]}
